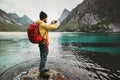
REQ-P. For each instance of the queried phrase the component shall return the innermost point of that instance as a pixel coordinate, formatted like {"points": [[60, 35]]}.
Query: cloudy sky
{"points": [[32, 8]]}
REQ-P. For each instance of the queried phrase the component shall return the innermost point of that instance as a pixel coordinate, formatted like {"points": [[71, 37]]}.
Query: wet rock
{"points": [[34, 75]]}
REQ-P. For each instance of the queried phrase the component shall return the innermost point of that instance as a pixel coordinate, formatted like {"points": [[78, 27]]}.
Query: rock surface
{"points": [[64, 15], [34, 75], [94, 16], [71, 69]]}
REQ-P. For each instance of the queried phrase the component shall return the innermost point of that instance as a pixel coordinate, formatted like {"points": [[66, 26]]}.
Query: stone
{"points": [[33, 74]]}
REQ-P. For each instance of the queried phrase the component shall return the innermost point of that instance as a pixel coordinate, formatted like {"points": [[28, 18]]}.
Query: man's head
{"points": [[43, 16]]}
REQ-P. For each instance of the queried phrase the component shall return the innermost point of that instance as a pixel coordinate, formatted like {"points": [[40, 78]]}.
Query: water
{"points": [[97, 42], [96, 54]]}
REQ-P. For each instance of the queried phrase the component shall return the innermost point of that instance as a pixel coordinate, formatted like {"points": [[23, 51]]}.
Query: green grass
{"points": [[6, 27], [73, 26], [69, 27]]}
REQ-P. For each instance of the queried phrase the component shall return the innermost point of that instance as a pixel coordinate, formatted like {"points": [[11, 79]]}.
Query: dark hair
{"points": [[42, 15]]}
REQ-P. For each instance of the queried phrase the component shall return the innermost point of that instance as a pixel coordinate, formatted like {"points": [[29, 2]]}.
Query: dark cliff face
{"points": [[93, 16], [109, 8]]}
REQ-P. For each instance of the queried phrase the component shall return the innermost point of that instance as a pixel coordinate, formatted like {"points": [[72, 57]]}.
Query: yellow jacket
{"points": [[44, 27]]}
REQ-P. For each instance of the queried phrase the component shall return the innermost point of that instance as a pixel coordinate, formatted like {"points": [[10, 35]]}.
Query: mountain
{"points": [[15, 18], [12, 22], [94, 16], [64, 15], [7, 27], [21, 21], [4, 17], [7, 23], [25, 21]]}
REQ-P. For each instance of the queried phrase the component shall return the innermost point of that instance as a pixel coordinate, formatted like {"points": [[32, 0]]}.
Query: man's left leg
{"points": [[43, 56]]}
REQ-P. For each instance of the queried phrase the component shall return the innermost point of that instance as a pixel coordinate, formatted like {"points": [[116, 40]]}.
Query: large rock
{"points": [[34, 75]]}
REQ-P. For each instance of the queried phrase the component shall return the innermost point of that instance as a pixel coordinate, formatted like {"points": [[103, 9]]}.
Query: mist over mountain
{"points": [[94, 16]]}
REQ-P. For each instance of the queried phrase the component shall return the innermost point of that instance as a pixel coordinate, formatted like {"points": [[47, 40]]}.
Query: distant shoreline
{"points": [[6, 33], [55, 31]]}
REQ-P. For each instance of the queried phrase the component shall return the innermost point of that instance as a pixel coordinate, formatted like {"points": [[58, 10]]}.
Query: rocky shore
{"points": [[60, 70], [33, 74]]}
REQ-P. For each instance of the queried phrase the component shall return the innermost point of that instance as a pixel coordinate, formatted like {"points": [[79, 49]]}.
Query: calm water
{"points": [[97, 53]]}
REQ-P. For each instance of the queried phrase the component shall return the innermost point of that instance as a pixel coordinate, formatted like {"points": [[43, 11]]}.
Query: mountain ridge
{"points": [[94, 16], [64, 15], [21, 21], [12, 22]]}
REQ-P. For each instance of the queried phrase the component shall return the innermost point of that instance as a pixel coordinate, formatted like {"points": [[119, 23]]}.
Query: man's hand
{"points": [[53, 22]]}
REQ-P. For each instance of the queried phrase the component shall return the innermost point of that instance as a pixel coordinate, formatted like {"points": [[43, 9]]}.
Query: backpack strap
{"points": [[39, 30], [38, 24]]}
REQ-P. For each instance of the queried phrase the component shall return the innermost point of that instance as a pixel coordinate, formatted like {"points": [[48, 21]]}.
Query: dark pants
{"points": [[43, 55]]}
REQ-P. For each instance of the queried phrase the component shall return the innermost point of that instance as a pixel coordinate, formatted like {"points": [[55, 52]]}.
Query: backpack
{"points": [[33, 33]]}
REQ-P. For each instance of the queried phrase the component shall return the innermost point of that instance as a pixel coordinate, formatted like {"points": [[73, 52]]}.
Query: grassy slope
{"points": [[6, 27]]}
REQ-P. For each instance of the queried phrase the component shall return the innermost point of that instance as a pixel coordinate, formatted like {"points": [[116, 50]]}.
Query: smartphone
{"points": [[55, 21]]}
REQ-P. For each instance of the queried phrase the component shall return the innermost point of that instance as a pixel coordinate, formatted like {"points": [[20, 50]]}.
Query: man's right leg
{"points": [[43, 56]]}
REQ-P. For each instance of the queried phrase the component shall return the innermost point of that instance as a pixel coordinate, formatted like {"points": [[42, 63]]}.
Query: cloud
{"points": [[32, 8]]}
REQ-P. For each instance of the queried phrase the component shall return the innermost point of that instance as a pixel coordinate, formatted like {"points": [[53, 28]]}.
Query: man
{"points": [[43, 29]]}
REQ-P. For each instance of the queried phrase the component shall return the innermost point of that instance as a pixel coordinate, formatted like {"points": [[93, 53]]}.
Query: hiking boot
{"points": [[46, 70], [43, 75]]}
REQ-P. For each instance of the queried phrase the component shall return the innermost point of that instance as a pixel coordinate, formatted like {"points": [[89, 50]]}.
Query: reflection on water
{"points": [[97, 42], [97, 53]]}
